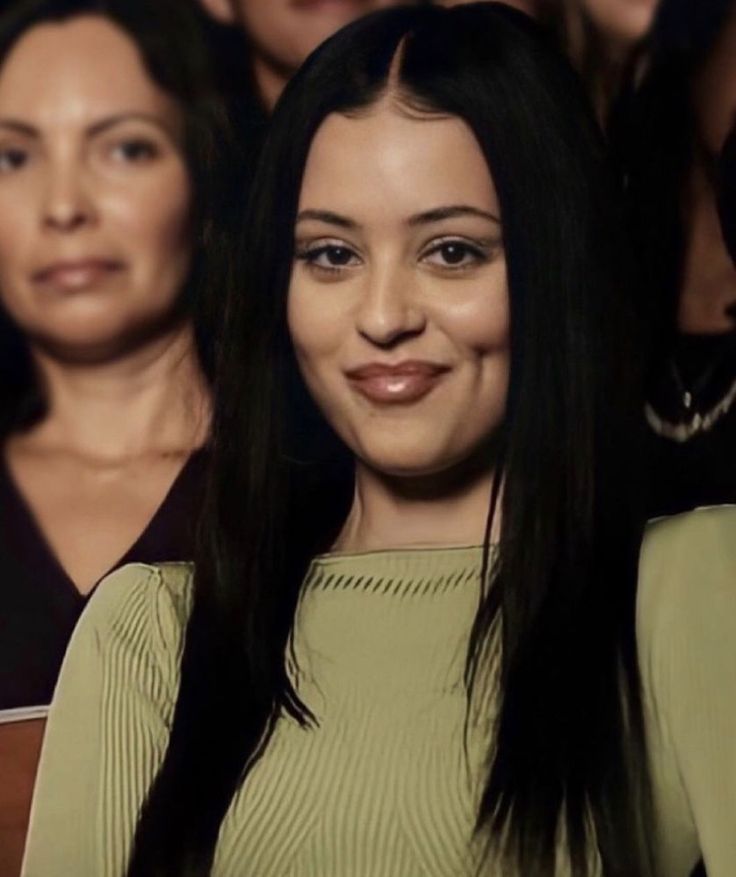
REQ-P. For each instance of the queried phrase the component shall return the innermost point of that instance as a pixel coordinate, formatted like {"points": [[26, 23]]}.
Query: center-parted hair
{"points": [[566, 770]]}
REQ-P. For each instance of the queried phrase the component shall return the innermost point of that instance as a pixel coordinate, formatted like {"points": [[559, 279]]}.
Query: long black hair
{"points": [[567, 760], [177, 55]]}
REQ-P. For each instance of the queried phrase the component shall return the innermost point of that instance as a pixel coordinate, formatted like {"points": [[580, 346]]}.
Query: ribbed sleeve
{"points": [[108, 728]]}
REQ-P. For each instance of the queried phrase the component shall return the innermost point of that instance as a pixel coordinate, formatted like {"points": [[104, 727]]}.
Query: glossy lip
{"points": [[396, 383], [76, 274]]}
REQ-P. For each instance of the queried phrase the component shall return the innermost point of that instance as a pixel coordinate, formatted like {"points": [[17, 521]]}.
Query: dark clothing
{"points": [[40, 605]]}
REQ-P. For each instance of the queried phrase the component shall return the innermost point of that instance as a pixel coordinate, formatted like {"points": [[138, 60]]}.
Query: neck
{"points": [[153, 400], [270, 81], [393, 512]]}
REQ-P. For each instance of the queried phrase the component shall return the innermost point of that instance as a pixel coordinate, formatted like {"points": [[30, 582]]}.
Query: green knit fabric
{"points": [[387, 784]]}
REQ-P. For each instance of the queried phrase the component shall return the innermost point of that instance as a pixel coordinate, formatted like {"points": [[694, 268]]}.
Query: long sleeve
{"points": [[109, 725], [687, 637]]}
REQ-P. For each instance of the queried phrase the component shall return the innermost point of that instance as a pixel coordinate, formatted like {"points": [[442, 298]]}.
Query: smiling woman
{"points": [[399, 291], [112, 151]]}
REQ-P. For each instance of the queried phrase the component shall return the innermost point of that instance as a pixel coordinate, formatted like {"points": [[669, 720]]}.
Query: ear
{"points": [[220, 10]]}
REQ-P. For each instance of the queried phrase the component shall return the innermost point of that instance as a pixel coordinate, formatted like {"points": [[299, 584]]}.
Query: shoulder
{"points": [[687, 581], [140, 603], [693, 548]]}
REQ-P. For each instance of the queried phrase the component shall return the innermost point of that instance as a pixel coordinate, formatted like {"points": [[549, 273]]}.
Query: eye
{"points": [[328, 257], [12, 159], [455, 254], [135, 150]]}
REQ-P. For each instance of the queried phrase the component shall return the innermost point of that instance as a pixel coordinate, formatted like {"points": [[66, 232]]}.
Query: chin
{"points": [[410, 463], [98, 342]]}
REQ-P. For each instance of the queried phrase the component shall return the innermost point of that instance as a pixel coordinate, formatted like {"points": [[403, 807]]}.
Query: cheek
{"points": [[622, 19], [478, 322], [18, 232], [316, 329], [153, 222]]}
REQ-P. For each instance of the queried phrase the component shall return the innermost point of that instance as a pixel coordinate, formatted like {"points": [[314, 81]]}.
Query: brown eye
{"points": [[329, 257], [337, 256], [135, 150], [455, 254], [12, 159]]}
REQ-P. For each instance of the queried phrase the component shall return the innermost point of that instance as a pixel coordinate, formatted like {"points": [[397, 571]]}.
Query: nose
{"points": [[390, 309], [67, 204]]}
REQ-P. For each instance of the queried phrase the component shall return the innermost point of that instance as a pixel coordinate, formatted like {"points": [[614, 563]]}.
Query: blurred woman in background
{"points": [[113, 148], [280, 34], [682, 168], [604, 40]]}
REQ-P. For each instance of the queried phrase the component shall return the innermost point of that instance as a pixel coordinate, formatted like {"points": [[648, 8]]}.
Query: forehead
{"points": [[387, 162], [80, 67]]}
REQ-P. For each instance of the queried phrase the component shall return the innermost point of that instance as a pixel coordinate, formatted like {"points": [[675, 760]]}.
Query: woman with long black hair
{"points": [[444, 680]]}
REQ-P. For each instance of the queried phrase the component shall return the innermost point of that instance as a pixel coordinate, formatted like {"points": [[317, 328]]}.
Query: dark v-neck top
{"points": [[39, 603]]}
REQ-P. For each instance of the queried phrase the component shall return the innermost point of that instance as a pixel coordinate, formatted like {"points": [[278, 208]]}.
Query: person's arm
{"points": [[108, 727], [687, 636]]}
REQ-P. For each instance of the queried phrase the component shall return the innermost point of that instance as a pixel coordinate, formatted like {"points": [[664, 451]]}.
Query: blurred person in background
{"points": [[280, 34], [682, 184], [604, 39], [113, 146]]}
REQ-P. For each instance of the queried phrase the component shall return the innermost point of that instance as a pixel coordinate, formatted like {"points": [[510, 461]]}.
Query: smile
{"points": [[403, 383]]}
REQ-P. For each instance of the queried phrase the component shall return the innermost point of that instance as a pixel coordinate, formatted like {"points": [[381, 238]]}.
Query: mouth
{"points": [[341, 7], [400, 383], [77, 275]]}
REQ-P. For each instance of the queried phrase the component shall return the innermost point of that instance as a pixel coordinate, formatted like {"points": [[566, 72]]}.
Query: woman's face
{"points": [[287, 31], [94, 191], [398, 303], [623, 21]]}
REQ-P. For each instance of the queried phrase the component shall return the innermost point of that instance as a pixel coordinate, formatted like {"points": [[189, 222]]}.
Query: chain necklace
{"points": [[698, 422]]}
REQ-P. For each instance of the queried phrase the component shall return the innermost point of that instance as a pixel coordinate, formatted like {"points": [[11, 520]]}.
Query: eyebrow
{"points": [[438, 214], [326, 216], [95, 128]]}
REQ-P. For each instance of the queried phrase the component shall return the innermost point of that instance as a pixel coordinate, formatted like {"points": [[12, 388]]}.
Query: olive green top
{"points": [[387, 784]]}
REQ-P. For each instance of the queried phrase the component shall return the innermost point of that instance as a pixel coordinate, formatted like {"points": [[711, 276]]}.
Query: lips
{"points": [[400, 383], [77, 275], [344, 7]]}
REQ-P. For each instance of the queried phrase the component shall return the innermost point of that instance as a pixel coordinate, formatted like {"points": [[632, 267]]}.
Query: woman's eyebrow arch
{"points": [[18, 126], [107, 122], [437, 214], [327, 216]]}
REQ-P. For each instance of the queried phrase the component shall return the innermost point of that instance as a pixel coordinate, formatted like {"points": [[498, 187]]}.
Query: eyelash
{"points": [[310, 254], [480, 254], [149, 149]]}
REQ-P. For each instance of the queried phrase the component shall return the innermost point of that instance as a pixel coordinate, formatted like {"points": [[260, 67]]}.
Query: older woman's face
{"points": [[94, 191], [398, 303], [286, 31]]}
